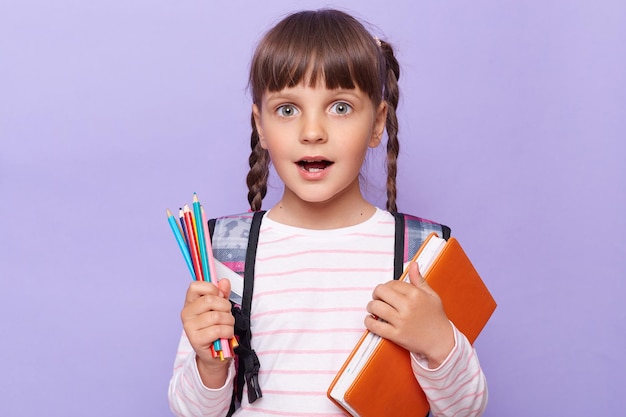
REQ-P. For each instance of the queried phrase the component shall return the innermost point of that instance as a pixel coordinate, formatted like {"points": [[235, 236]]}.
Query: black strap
{"points": [[398, 247], [249, 364], [212, 227], [248, 275], [445, 231]]}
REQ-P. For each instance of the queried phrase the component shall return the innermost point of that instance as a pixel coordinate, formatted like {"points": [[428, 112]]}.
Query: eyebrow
{"points": [[276, 95], [286, 94]]}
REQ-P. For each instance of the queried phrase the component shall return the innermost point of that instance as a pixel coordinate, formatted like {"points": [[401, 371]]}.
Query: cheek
{"points": [[266, 137], [274, 148]]}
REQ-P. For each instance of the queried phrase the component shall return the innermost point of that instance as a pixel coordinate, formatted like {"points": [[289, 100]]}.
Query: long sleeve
{"points": [[188, 397], [458, 386]]}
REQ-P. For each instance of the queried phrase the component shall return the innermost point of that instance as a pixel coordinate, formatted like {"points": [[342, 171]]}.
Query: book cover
{"points": [[377, 378]]}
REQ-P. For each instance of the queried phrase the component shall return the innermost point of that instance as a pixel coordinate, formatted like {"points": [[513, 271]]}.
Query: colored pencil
{"points": [[209, 247], [181, 241], [192, 235], [183, 226], [193, 246], [201, 238]]}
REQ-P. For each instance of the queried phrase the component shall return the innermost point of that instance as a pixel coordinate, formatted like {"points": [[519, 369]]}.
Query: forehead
{"points": [[318, 90]]}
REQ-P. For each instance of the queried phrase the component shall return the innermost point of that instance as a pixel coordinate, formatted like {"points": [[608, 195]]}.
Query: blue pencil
{"points": [[181, 242], [201, 238], [183, 228]]}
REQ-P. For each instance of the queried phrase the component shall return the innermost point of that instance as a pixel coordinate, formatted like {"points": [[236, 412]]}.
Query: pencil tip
{"points": [[169, 213]]}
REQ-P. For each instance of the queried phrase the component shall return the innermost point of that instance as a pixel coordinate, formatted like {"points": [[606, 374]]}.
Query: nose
{"points": [[313, 129]]}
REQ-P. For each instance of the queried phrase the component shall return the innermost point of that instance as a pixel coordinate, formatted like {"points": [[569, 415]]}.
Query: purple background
{"points": [[512, 129]]}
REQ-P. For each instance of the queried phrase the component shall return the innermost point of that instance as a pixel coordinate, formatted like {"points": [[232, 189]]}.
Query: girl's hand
{"points": [[412, 317], [206, 317]]}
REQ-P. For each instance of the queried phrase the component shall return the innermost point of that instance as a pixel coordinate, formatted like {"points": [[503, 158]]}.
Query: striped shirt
{"points": [[311, 289]]}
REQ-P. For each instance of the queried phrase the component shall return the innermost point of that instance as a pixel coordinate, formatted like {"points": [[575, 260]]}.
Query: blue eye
{"points": [[341, 108], [287, 110]]}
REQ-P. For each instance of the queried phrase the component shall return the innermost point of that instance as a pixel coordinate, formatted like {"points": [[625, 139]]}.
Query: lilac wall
{"points": [[513, 121]]}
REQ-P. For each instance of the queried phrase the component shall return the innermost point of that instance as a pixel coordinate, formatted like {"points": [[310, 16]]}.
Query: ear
{"points": [[380, 121], [256, 113]]}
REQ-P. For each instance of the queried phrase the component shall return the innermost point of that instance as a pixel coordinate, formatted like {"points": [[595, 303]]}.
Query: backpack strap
{"points": [[411, 232], [234, 241]]}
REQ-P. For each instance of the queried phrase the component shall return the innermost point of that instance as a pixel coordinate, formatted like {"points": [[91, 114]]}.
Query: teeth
{"points": [[314, 165]]}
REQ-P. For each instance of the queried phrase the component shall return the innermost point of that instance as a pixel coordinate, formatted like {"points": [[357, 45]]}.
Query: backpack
{"points": [[234, 241]]}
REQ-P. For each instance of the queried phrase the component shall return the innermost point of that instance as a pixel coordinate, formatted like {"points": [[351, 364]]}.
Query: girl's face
{"points": [[318, 139]]}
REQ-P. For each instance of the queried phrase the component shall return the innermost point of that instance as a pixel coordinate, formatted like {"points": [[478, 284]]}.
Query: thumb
{"points": [[415, 277], [224, 286]]}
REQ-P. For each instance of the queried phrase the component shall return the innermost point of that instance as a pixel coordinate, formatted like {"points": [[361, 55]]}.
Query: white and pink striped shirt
{"points": [[311, 288]]}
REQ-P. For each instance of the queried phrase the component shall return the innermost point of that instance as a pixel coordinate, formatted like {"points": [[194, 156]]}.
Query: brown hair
{"points": [[332, 46]]}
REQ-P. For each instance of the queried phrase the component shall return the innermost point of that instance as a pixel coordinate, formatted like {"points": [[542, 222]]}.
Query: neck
{"points": [[321, 215]]}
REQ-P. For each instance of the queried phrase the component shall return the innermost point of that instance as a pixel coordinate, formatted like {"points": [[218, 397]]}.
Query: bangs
{"points": [[318, 46]]}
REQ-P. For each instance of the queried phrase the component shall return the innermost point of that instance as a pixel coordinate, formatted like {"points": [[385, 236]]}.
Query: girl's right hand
{"points": [[207, 317]]}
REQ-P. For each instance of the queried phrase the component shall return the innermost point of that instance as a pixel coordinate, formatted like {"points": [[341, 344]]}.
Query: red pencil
{"points": [[193, 245]]}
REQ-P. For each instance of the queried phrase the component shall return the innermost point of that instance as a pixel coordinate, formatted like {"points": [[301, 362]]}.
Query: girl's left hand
{"points": [[412, 316]]}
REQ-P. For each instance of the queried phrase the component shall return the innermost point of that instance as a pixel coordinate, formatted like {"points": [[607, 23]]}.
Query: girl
{"points": [[324, 91]]}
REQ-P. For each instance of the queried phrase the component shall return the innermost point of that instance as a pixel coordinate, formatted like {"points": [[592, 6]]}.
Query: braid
{"points": [[391, 95], [259, 171]]}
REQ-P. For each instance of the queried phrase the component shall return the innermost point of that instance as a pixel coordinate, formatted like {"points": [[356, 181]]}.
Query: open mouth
{"points": [[314, 165]]}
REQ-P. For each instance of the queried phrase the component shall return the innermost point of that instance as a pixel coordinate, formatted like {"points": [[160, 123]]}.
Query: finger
{"points": [[418, 280], [380, 309], [205, 303], [375, 325], [415, 277], [204, 337], [209, 319], [209, 326], [224, 287], [389, 298], [388, 291], [199, 289]]}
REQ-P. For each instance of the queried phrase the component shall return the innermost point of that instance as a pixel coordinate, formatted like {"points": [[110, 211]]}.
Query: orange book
{"points": [[377, 378]]}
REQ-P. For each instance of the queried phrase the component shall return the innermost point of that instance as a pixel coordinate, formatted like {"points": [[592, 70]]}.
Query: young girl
{"points": [[324, 90]]}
